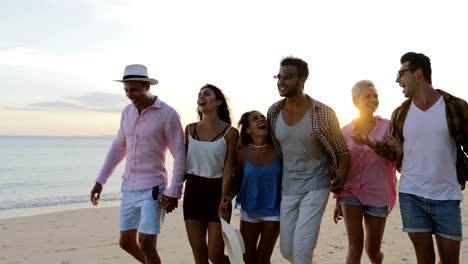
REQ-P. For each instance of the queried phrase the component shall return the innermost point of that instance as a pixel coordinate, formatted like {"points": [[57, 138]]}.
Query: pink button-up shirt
{"points": [[144, 138], [371, 178]]}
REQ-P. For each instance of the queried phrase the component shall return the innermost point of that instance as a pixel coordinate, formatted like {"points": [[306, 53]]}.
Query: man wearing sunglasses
{"points": [[148, 128], [428, 131], [307, 136]]}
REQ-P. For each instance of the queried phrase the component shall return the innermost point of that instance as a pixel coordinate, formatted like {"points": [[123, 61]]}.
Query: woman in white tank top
{"points": [[211, 148]]}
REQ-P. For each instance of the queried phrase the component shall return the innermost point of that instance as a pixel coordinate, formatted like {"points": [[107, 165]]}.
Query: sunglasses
{"points": [[401, 72], [285, 76]]}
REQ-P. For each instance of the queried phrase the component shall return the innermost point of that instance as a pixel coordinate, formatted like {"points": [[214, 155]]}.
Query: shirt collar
{"points": [[157, 103]]}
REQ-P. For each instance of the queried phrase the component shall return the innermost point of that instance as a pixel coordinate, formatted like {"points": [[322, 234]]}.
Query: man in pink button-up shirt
{"points": [[148, 128]]}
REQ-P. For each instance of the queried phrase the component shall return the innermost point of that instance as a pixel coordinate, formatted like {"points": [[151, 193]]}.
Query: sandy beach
{"points": [[91, 236]]}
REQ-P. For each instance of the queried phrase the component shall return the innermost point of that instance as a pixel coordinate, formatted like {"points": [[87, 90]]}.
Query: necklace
{"points": [[259, 146]]}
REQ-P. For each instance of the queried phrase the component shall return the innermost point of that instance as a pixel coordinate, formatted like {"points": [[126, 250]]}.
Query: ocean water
{"points": [[47, 174]]}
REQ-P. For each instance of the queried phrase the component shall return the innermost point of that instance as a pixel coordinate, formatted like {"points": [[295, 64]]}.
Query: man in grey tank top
{"points": [[307, 136]]}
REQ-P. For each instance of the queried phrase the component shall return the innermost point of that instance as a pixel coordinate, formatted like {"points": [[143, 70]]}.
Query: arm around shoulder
{"points": [[238, 172], [232, 140]]}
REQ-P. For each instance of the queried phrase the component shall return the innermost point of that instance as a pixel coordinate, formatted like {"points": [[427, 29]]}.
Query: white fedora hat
{"points": [[234, 243], [137, 72]]}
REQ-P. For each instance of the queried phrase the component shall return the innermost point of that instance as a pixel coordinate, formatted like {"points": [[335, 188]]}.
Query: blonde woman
{"points": [[369, 192]]}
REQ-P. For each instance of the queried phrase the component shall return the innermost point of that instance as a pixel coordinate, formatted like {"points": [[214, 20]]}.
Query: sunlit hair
{"points": [[301, 65], [359, 86], [223, 109], [418, 61]]}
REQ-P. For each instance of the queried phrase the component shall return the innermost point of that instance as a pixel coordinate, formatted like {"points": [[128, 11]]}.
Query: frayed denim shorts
{"points": [[439, 217], [370, 210]]}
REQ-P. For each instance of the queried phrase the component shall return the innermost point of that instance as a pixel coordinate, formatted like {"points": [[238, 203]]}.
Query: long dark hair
{"points": [[243, 124], [223, 109]]}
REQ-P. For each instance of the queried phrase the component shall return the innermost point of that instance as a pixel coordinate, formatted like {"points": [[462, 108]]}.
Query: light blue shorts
{"points": [[140, 210], [421, 215], [370, 210], [244, 217]]}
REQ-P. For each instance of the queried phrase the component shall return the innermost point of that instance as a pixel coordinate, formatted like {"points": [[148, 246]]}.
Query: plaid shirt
{"points": [[456, 111], [324, 125]]}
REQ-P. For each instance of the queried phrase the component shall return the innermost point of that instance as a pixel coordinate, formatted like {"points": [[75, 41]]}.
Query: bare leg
{"points": [[423, 246], [269, 236], [128, 242], [352, 215], [147, 244], [449, 250], [250, 234], [196, 232], [375, 227], [216, 244]]}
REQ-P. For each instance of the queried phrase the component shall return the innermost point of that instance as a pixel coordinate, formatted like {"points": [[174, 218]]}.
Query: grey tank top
{"points": [[305, 161]]}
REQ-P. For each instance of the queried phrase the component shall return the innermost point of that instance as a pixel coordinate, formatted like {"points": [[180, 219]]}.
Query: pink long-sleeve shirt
{"points": [[371, 178], [145, 138]]}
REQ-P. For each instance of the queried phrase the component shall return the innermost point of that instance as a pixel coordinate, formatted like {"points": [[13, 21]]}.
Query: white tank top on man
{"points": [[428, 168]]}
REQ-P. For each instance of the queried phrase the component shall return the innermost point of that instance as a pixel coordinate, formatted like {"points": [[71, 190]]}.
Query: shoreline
{"points": [[90, 235], [37, 211]]}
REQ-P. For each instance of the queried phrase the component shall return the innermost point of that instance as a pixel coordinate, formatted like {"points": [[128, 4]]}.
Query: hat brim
{"points": [[150, 80], [233, 242]]}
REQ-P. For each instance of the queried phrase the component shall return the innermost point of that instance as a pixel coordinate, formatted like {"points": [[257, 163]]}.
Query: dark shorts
{"points": [[421, 215], [202, 198]]}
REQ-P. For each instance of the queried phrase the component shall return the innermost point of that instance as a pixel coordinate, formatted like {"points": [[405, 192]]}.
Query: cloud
{"points": [[54, 105], [91, 102], [98, 99]]}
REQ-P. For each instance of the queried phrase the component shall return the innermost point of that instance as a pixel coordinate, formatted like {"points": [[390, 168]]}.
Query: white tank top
{"points": [[428, 168], [205, 158]]}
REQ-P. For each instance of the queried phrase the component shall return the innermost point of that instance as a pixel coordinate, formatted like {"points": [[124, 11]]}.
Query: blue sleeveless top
{"points": [[260, 191]]}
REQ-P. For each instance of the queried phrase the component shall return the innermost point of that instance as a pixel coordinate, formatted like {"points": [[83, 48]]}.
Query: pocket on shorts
{"points": [[155, 193]]}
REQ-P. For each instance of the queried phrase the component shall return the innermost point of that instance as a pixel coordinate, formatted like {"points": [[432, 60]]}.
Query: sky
{"points": [[58, 58]]}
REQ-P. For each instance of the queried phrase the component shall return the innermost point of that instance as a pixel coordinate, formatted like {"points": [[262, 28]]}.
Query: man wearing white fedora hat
{"points": [[148, 128]]}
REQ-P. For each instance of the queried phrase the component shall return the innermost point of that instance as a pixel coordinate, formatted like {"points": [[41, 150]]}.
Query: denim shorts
{"points": [[140, 210], [244, 217], [370, 210], [421, 215]]}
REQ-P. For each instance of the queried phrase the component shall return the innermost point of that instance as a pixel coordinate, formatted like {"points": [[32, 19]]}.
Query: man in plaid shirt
{"points": [[429, 139], [307, 136]]}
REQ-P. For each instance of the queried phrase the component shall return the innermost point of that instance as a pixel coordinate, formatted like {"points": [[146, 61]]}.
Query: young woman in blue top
{"points": [[257, 185]]}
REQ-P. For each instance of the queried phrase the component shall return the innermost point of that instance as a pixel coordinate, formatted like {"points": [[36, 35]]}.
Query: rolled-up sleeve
{"points": [[336, 138]]}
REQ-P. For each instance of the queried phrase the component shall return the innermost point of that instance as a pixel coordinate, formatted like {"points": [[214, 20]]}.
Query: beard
{"points": [[292, 90]]}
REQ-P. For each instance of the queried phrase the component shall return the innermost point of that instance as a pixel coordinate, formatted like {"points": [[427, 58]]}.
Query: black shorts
{"points": [[202, 198]]}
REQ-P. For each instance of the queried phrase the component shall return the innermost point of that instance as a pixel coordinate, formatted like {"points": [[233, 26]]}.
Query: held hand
{"points": [[359, 137], [337, 213], [96, 193], [337, 185], [362, 138], [395, 145], [168, 203], [224, 206]]}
